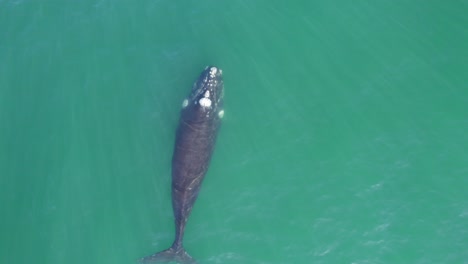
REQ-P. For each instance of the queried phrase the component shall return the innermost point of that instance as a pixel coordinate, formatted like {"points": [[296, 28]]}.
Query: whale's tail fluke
{"points": [[171, 254]]}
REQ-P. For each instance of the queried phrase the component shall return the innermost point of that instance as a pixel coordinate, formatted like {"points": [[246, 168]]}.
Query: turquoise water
{"points": [[344, 139]]}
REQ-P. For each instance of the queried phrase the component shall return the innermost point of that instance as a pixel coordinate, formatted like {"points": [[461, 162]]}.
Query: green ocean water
{"points": [[344, 140]]}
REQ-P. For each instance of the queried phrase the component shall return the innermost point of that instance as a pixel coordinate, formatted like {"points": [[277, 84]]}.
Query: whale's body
{"points": [[195, 140]]}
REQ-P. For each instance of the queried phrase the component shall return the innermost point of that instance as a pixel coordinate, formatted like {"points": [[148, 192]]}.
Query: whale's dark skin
{"points": [[195, 140]]}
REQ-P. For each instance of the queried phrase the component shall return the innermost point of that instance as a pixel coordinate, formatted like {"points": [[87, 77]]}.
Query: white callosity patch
{"points": [[221, 113], [213, 71], [205, 102], [184, 103]]}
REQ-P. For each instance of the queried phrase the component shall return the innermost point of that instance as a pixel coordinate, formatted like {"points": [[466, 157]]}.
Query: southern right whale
{"points": [[195, 140]]}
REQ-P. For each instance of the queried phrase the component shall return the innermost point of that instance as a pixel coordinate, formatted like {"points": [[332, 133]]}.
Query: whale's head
{"points": [[207, 92]]}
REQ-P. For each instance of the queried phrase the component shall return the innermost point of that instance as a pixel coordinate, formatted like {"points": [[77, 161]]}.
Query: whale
{"points": [[199, 123]]}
